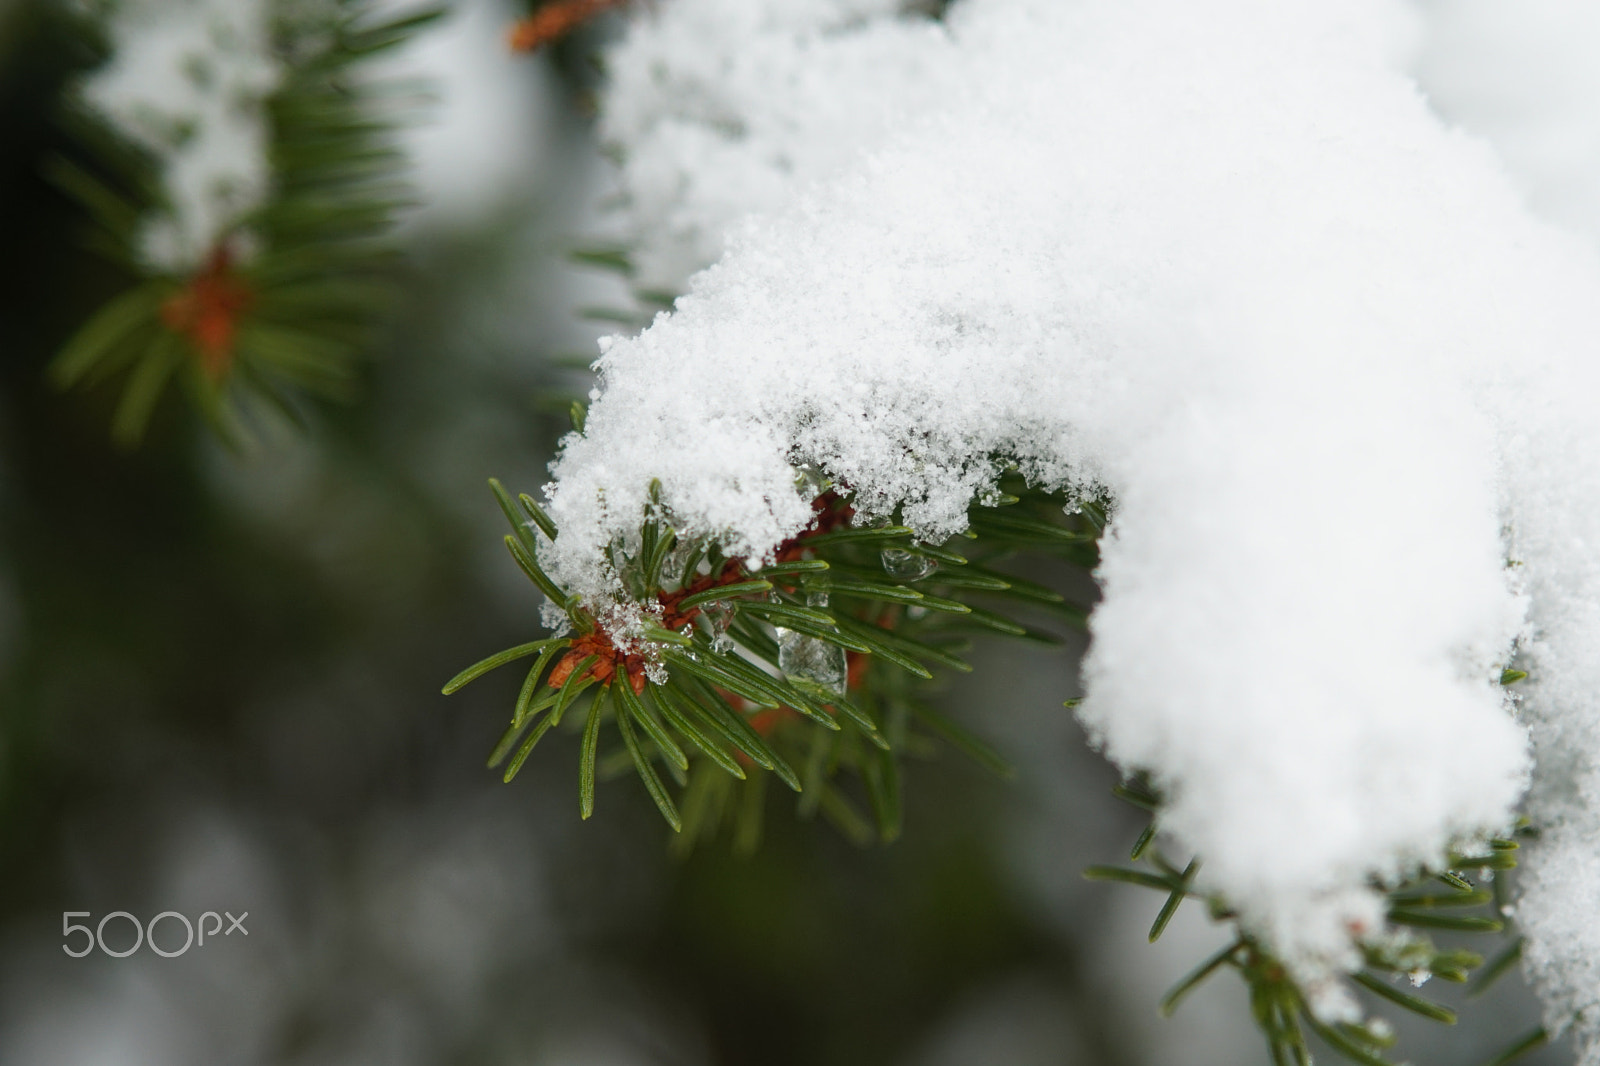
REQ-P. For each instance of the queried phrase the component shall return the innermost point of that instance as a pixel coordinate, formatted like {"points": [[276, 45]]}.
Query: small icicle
{"points": [[672, 565], [812, 659], [714, 619], [810, 482], [906, 565]]}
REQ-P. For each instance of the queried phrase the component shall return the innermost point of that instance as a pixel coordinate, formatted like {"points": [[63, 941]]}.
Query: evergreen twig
{"points": [[733, 693], [286, 300]]}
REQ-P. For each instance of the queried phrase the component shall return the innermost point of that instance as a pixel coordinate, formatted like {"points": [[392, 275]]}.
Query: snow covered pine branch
{"points": [[240, 166], [1219, 262]]}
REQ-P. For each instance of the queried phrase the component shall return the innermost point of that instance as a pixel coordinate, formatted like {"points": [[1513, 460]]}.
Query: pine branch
{"points": [[814, 660], [285, 302], [554, 20], [1279, 1005]]}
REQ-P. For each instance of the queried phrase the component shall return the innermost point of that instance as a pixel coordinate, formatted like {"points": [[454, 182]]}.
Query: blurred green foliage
{"points": [[184, 628]]}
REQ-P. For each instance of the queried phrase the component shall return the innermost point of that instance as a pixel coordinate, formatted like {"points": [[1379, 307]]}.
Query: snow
{"points": [[1523, 76], [185, 82], [1227, 262], [1552, 464], [720, 108]]}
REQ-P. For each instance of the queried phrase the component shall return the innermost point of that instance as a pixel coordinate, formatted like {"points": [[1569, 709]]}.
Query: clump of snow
{"points": [[1523, 75], [186, 82], [1548, 399], [1222, 260], [717, 109]]}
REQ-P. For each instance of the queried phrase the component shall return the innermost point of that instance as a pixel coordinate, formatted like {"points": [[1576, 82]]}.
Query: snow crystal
{"points": [[720, 108], [1223, 261], [186, 82]]}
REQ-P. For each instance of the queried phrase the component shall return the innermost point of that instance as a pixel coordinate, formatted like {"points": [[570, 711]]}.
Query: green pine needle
{"points": [[1498, 967], [483, 666], [1461, 923], [1143, 842], [641, 762], [586, 755], [1196, 977], [1143, 879], [1170, 907], [630, 703], [1415, 1004], [1531, 1042]]}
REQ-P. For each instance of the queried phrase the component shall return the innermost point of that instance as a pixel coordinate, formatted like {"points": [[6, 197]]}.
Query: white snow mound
{"points": [[1223, 260]]}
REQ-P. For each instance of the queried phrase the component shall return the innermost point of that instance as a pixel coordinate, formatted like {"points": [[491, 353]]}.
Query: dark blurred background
{"points": [[219, 690]]}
